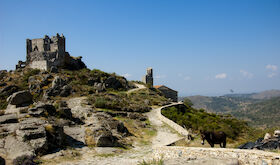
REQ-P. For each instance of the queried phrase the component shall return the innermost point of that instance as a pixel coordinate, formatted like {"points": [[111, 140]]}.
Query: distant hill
{"points": [[259, 109], [261, 95], [265, 113]]}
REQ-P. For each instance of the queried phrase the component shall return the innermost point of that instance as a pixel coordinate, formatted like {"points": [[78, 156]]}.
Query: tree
{"points": [[188, 102]]}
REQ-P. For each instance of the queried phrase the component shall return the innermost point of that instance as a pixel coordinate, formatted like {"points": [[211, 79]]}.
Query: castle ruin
{"points": [[148, 78], [166, 92], [44, 53]]}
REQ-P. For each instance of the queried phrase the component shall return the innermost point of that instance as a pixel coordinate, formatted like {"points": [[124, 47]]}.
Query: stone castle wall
{"points": [[171, 123], [51, 50], [148, 78]]}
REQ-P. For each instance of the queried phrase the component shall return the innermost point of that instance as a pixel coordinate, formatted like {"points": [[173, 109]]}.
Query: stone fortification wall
{"points": [[148, 78], [42, 65], [171, 123], [242, 157]]}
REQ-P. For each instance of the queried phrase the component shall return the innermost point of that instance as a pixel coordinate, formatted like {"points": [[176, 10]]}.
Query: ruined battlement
{"points": [[43, 53], [47, 52], [148, 78]]}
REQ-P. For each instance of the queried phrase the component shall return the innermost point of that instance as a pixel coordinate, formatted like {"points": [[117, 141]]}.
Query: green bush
{"points": [[200, 120], [100, 102]]}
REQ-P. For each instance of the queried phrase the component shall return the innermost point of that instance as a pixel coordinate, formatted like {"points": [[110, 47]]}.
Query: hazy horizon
{"points": [[196, 47]]}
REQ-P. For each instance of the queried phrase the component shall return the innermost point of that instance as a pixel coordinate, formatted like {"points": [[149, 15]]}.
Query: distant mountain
{"points": [[221, 104], [260, 109], [261, 95]]}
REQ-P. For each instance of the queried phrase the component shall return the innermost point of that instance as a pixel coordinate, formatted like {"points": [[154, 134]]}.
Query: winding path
{"points": [[172, 155], [139, 86]]}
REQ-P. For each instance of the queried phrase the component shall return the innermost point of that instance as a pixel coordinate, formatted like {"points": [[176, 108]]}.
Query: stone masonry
{"points": [[148, 78], [42, 53], [47, 52]]}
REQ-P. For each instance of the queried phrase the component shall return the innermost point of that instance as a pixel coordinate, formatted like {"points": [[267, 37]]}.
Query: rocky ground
{"points": [[92, 117], [157, 152]]}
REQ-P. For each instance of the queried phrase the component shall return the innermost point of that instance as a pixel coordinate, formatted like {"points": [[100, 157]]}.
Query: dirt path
{"points": [[164, 135], [111, 156], [139, 86]]}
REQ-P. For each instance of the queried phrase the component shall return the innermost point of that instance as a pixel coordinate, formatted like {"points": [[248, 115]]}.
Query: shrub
{"points": [[100, 102], [201, 120]]}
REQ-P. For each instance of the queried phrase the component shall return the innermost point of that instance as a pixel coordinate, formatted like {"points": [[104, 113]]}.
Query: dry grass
{"points": [[141, 135]]}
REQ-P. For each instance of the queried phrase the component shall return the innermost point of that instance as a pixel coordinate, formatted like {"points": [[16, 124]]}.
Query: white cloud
{"points": [[221, 76], [271, 75], [187, 78], [126, 75], [271, 67], [160, 76], [246, 74]]}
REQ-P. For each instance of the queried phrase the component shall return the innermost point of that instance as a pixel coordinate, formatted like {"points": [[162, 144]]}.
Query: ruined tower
{"points": [[42, 53], [148, 78]]}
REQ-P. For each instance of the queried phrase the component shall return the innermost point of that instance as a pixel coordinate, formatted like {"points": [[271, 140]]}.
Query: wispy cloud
{"points": [[221, 76], [272, 70], [271, 67], [184, 77], [126, 75], [246, 74], [270, 75], [160, 76]]}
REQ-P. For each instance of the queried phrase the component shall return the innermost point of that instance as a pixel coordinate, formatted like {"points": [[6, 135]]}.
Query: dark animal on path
{"points": [[214, 138]]}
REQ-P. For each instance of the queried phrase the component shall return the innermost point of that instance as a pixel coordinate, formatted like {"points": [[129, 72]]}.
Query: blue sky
{"points": [[202, 47]]}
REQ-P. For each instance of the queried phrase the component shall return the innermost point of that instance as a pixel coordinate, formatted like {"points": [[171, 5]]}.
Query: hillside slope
{"points": [[259, 109]]}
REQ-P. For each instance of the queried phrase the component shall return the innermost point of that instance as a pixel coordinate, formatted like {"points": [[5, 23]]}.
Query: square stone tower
{"points": [[42, 53], [148, 78]]}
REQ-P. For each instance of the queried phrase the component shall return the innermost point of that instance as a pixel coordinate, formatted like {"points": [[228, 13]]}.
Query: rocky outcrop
{"points": [[103, 131], [113, 82], [74, 63], [30, 137], [9, 118], [42, 110], [79, 108], [59, 87], [21, 98], [8, 90]]}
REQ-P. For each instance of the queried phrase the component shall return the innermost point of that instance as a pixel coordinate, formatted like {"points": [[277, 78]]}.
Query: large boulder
{"points": [[21, 98], [74, 63], [28, 138], [113, 82], [59, 87]]}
